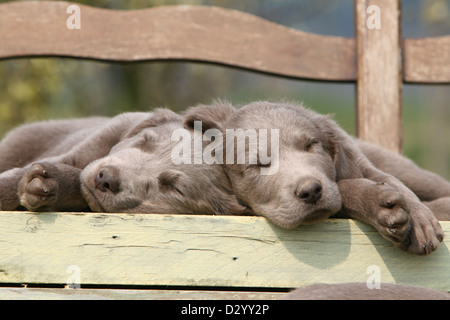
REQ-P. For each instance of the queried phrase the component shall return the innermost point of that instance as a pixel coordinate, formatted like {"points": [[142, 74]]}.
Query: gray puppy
{"points": [[319, 170], [121, 164]]}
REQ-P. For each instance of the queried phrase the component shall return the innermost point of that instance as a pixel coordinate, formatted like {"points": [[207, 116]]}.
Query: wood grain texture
{"points": [[204, 251], [379, 84], [427, 60], [197, 33]]}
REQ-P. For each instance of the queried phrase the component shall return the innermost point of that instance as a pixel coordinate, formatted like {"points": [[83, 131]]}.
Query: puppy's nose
{"points": [[309, 190], [108, 179]]}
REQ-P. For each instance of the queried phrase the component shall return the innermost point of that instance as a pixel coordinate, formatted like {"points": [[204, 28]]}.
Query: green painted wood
{"points": [[202, 251]]}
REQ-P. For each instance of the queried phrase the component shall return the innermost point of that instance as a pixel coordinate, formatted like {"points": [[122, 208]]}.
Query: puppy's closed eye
{"points": [[305, 142], [311, 143], [168, 181], [259, 165]]}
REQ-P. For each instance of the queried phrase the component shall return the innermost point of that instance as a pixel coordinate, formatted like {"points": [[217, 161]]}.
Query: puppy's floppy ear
{"points": [[212, 116], [345, 154], [331, 139], [156, 118], [168, 179]]}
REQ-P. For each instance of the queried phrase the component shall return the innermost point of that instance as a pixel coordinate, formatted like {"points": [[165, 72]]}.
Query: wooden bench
{"points": [[212, 256]]}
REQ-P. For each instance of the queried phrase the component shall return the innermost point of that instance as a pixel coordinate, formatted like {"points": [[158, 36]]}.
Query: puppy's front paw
{"points": [[378, 204], [392, 213], [426, 233], [39, 187]]}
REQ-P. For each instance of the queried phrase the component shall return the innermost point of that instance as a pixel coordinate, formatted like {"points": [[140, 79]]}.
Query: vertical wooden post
{"points": [[379, 82]]}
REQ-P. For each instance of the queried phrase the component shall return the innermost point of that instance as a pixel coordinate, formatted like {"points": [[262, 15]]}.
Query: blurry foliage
{"points": [[39, 88], [436, 12]]}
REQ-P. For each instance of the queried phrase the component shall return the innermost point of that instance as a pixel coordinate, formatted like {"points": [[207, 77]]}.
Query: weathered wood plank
{"points": [[123, 294], [427, 60], [379, 84], [222, 251], [174, 32]]}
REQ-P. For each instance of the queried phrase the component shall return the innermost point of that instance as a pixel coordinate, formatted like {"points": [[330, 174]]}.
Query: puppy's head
{"points": [[139, 175], [292, 159]]}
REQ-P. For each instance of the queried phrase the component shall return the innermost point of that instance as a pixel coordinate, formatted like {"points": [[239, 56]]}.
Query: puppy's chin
{"points": [[316, 216], [289, 218]]}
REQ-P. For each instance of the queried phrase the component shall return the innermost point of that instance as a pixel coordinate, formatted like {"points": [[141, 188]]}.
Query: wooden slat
{"points": [[174, 32], [204, 251], [427, 60], [379, 84]]}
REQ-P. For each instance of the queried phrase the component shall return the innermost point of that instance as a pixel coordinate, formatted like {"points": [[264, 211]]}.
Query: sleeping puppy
{"points": [[318, 170], [139, 175], [121, 164]]}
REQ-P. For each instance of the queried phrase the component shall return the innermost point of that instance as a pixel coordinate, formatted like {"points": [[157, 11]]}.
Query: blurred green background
{"points": [[41, 88]]}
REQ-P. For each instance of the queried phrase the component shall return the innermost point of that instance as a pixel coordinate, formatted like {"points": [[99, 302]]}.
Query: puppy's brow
{"points": [[300, 141]]}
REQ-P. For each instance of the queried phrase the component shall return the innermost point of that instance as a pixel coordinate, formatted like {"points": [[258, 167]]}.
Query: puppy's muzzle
{"points": [[108, 179], [309, 190]]}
